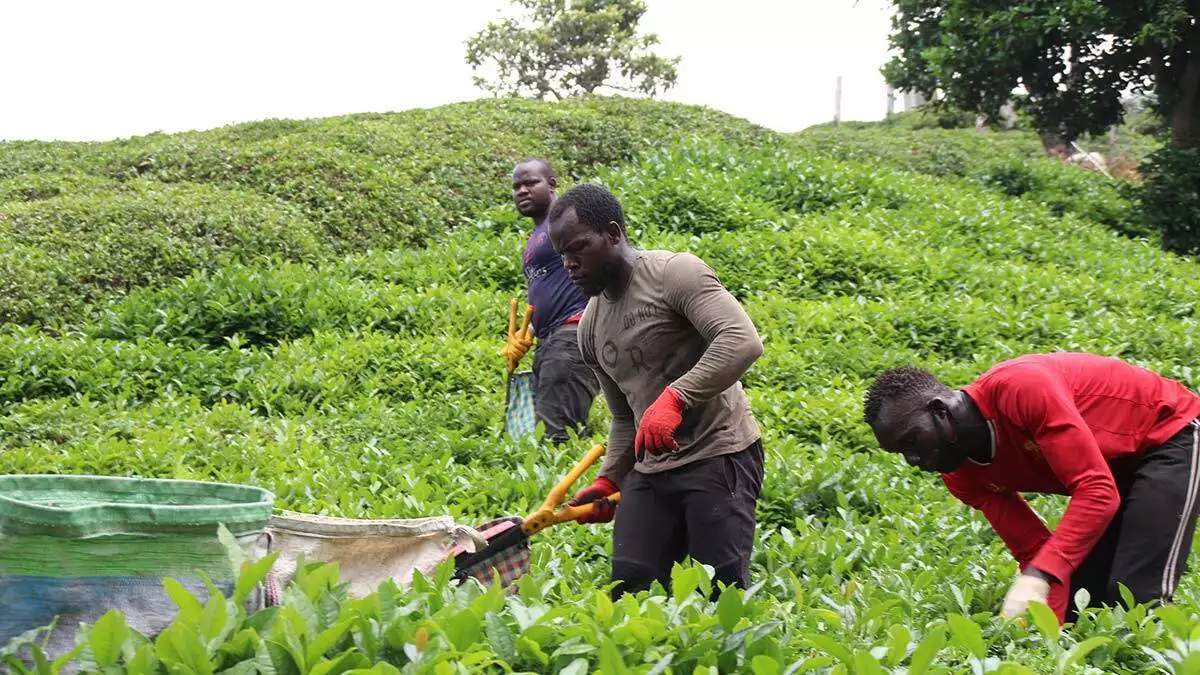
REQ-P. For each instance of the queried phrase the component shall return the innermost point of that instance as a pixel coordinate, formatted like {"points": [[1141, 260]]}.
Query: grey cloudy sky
{"points": [[99, 70]]}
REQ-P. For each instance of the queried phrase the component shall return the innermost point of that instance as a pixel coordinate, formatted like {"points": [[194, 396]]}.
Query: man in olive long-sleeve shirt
{"points": [[669, 345]]}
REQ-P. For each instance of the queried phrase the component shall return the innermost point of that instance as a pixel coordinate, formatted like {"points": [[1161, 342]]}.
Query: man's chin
{"points": [[951, 465], [590, 290]]}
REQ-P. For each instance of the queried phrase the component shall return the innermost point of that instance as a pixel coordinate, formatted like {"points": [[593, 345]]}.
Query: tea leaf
{"points": [[1079, 652], [1045, 620], [967, 635], [463, 629], [730, 608], [107, 637], [927, 649]]}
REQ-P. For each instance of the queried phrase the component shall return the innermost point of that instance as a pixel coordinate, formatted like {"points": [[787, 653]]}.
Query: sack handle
{"points": [[469, 538]]}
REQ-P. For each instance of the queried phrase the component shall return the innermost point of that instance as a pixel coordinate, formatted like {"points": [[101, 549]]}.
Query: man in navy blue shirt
{"points": [[564, 386]]}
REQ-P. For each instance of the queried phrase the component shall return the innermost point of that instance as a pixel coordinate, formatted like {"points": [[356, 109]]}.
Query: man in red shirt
{"points": [[1120, 440]]}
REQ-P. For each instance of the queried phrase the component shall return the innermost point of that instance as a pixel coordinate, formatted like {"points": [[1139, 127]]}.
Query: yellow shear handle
{"points": [[512, 318], [526, 320], [512, 326], [573, 512], [549, 513]]}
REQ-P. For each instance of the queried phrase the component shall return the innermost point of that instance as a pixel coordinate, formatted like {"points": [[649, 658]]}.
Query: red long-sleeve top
{"points": [[1058, 422]]}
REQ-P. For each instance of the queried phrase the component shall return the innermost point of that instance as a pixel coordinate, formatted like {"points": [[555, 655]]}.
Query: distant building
{"points": [[1009, 113], [913, 100]]}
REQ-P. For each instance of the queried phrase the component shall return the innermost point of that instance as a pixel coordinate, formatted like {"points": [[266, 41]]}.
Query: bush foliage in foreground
{"points": [[368, 385]]}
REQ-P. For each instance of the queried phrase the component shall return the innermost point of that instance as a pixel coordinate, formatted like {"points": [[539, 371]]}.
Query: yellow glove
{"points": [[519, 341], [1024, 590]]}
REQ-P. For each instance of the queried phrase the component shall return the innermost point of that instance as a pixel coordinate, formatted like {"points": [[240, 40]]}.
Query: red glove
{"points": [[657, 431], [596, 494]]}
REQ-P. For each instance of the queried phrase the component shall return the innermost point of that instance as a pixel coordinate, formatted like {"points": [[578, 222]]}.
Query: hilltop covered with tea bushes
{"points": [[343, 290], [1012, 163], [82, 222]]}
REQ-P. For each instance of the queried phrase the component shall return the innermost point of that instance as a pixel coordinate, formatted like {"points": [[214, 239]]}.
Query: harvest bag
{"points": [[74, 547], [367, 552]]}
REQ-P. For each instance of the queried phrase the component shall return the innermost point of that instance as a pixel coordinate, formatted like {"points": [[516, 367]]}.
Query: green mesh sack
{"points": [[74, 547]]}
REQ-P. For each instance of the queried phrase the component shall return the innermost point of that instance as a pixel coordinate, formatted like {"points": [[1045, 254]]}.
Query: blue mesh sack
{"points": [[519, 417]]}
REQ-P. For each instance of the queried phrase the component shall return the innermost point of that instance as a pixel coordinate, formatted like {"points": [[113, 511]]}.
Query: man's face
{"points": [[533, 190], [587, 255], [922, 433]]}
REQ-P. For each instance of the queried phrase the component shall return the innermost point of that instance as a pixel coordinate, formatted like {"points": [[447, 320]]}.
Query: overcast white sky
{"points": [[89, 70]]}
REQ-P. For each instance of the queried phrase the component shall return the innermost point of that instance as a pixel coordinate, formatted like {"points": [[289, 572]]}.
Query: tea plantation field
{"points": [[316, 308]]}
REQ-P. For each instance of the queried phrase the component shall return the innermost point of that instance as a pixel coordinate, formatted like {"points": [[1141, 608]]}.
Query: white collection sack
{"points": [[367, 551]]}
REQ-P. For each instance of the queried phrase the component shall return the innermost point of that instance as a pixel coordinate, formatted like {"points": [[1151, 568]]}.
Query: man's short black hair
{"points": [[595, 206], [898, 383], [547, 169]]}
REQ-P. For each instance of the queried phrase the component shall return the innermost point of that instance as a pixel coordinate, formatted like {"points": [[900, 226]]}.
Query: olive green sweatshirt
{"points": [[674, 325]]}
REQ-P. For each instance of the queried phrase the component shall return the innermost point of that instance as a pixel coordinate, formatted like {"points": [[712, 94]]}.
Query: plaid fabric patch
{"points": [[510, 562], [519, 418]]}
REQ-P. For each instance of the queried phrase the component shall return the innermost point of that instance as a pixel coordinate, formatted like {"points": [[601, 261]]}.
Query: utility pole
{"points": [[837, 103]]}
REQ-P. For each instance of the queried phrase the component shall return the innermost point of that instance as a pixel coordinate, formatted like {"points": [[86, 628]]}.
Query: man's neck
{"points": [[622, 274], [977, 433]]}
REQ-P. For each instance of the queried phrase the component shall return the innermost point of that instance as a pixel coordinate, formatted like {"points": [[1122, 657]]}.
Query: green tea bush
{"points": [[124, 373], [1171, 199], [1064, 189], [479, 257], [382, 180], [704, 187], [958, 152], [24, 158], [162, 206], [65, 253], [259, 306], [32, 187], [1012, 163]]}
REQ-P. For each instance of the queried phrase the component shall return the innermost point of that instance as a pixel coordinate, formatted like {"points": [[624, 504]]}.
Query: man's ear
{"points": [[938, 405], [613, 232]]}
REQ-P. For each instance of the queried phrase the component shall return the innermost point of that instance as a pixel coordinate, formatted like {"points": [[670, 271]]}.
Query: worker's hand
{"points": [[656, 434], [519, 341], [597, 495], [1026, 589]]}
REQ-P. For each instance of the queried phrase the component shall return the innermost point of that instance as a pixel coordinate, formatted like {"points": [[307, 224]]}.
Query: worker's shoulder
{"points": [[1017, 367], [588, 315], [1054, 365], [586, 329], [1020, 381], [659, 262], [656, 257]]}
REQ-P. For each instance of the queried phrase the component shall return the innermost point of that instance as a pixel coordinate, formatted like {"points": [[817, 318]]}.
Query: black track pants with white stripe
{"points": [[1147, 544]]}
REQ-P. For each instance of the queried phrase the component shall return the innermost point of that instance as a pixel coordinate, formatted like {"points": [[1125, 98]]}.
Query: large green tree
{"points": [[1070, 60], [562, 48]]}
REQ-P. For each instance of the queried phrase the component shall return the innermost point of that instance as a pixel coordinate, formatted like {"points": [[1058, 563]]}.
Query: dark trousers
{"points": [[564, 386], [1147, 544], [705, 509]]}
